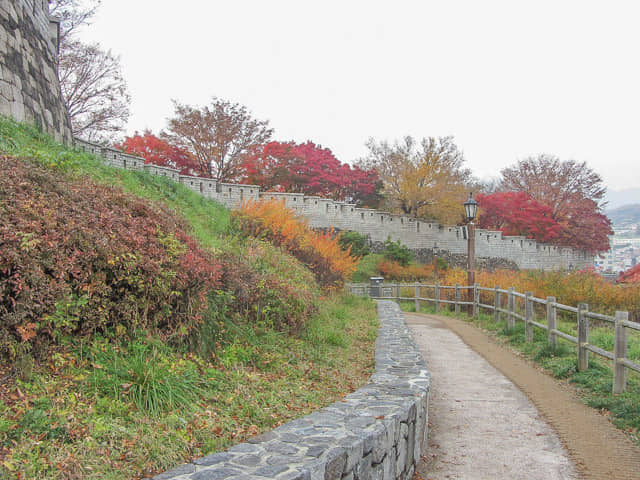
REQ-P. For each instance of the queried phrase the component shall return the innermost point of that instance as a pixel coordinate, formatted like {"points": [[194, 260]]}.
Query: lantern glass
{"points": [[471, 207]]}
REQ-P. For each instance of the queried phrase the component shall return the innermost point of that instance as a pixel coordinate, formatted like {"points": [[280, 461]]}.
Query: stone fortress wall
{"points": [[30, 93], [377, 225], [29, 86]]}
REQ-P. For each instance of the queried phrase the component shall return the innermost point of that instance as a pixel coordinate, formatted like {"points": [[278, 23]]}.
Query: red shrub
{"points": [[77, 257]]}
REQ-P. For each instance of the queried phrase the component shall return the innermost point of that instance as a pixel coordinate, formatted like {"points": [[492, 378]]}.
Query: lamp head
{"points": [[470, 207]]}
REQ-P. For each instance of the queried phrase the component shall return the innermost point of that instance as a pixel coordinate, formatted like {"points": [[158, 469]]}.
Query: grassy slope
{"points": [[78, 414]]}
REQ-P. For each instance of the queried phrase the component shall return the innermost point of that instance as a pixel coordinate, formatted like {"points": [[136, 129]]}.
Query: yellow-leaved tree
{"points": [[425, 179]]}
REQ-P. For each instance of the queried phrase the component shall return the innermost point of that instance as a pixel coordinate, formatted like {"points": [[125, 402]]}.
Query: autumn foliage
{"points": [[79, 258], [570, 288], [630, 276], [574, 194], [424, 179], [159, 152], [395, 271], [321, 252], [516, 213], [310, 169]]}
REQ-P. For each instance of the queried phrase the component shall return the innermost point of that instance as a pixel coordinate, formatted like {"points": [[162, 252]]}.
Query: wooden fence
{"points": [[521, 307]]}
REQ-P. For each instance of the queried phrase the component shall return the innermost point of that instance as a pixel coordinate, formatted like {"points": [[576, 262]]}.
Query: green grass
{"points": [[594, 385], [367, 268], [115, 410], [105, 411], [208, 219]]}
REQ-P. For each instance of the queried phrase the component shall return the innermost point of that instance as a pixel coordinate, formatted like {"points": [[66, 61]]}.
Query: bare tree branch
{"points": [[218, 135], [94, 89], [73, 14]]}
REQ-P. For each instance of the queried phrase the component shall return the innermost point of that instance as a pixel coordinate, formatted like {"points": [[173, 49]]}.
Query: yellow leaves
{"points": [[27, 331], [423, 180], [27, 242], [321, 252]]}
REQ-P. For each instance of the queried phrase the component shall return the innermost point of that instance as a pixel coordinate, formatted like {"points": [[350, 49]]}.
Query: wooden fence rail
{"points": [[521, 307]]}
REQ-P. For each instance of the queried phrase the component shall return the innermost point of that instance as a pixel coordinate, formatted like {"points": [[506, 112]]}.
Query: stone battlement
{"points": [[377, 225]]}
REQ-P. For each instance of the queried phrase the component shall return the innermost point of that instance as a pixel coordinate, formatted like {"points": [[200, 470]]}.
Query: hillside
{"points": [[142, 329], [620, 198], [625, 216]]}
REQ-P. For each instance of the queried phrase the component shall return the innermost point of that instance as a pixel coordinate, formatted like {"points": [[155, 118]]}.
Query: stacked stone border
{"points": [[425, 238], [377, 432]]}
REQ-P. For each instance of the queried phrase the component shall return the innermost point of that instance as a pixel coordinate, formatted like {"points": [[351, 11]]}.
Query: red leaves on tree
{"points": [[516, 213], [310, 169], [159, 152], [574, 193], [584, 227], [630, 276]]}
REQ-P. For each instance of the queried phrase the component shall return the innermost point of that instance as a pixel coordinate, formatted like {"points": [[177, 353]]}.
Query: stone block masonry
{"points": [[426, 239], [377, 432], [29, 86]]}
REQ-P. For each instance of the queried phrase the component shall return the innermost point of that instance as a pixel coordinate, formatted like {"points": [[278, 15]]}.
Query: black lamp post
{"points": [[470, 209]]}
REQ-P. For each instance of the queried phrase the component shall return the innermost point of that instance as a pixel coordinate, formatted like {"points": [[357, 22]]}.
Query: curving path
{"points": [[484, 427]]}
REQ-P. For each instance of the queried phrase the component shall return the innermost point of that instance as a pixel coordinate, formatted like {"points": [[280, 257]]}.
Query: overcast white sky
{"points": [[507, 78]]}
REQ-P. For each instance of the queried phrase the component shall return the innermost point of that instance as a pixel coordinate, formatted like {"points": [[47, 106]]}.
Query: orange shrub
{"points": [[391, 270], [321, 252], [569, 288]]}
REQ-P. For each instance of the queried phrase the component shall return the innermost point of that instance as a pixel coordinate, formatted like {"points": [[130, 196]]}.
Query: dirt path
{"points": [[597, 449]]}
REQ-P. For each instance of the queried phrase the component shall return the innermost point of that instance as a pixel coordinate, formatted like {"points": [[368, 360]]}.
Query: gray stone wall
{"points": [[29, 86], [378, 432], [493, 250]]}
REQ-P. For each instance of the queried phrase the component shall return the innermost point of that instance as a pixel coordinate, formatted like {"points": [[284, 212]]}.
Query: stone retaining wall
{"points": [[377, 432], [29, 86]]}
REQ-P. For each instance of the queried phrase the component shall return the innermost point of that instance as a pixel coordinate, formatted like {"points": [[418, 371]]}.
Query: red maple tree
{"points": [[310, 169], [159, 152], [516, 213], [573, 191]]}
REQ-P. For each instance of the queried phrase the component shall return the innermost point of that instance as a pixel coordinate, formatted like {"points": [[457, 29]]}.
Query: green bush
{"points": [[268, 286], [397, 252], [358, 243]]}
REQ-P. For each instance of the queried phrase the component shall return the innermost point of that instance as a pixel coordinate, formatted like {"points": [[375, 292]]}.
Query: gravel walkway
{"points": [[483, 427]]}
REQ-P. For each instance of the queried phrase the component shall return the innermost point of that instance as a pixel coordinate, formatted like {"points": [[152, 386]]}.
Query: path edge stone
{"points": [[376, 432]]}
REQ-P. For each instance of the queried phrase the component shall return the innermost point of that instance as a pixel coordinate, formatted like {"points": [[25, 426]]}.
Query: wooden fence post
{"points": [[511, 320], [476, 300], [552, 321], [619, 353], [437, 295], [457, 299], [397, 292], [496, 304], [416, 295], [528, 317], [583, 337]]}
